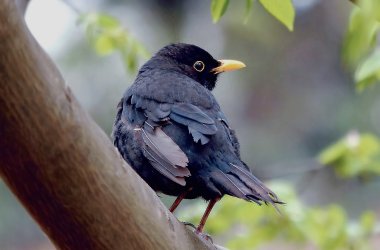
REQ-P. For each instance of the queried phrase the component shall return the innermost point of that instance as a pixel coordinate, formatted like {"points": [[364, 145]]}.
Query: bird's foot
{"points": [[198, 232], [190, 225], [204, 236]]}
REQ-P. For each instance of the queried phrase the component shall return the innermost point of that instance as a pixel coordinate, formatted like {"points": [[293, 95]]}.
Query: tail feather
{"points": [[264, 193], [231, 185], [241, 183]]}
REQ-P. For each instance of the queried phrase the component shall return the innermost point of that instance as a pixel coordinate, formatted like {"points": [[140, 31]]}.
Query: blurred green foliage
{"points": [[326, 228], [360, 42], [360, 37], [354, 155], [368, 73], [218, 8], [106, 35], [282, 10]]}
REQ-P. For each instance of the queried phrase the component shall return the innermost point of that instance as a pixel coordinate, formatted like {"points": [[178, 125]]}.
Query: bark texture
{"points": [[62, 166]]}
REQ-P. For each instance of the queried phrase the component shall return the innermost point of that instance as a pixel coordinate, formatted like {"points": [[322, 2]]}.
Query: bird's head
{"points": [[197, 63]]}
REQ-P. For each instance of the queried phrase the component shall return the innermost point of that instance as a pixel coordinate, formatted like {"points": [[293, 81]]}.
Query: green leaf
{"points": [[360, 37], [371, 7], [245, 226], [368, 221], [369, 71], [332, 153], [248, 8], [106, 35], [355, 155], [218, 8], [103, 45], [283, 10], [107, 21]]}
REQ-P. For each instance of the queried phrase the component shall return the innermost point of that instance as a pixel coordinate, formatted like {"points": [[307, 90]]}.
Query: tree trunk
{"points": [[62, 166]]}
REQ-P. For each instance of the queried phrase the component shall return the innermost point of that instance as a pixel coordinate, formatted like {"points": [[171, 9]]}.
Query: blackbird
{"points": [[171, 130]]}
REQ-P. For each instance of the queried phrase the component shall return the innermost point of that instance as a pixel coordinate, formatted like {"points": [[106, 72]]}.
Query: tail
{"points": [[240, 182]]}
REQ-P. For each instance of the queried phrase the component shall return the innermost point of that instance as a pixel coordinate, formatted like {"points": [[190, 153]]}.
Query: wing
{"points": [[165, 156], [154, 113], [200, 125], [230, 133], [148, 116]]}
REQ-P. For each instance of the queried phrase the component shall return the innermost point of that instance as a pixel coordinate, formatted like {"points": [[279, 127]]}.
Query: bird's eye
{"points": [[199, 66]]}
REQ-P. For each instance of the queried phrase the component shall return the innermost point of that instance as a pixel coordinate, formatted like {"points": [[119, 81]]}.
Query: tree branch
{"points": [[62, 166]]}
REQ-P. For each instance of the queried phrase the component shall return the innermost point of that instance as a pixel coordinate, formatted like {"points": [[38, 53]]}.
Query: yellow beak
{"points": [[228, 65]]}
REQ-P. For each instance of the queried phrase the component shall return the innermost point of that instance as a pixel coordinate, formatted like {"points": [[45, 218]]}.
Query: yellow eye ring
{"points": [[199, 66]]}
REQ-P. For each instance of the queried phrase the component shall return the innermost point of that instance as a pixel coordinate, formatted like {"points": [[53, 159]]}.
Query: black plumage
{"points": [[171, 130]]}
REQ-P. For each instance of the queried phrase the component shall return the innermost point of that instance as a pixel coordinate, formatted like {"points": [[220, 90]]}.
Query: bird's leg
{"points": [[178, 200], [205, 215]]}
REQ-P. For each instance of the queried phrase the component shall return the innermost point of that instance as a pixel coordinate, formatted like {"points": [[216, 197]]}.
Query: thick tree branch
{"points": [[62, 166]]}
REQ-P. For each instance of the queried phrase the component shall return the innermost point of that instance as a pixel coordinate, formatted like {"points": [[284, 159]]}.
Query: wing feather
{"points": [[161, 151], [162, 169], [192, 112], [165, 155], [172, 154]]}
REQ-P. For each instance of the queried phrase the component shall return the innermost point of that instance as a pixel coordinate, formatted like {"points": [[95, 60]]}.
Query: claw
{"points": [[199, 233], [189, 224], [204, 236]]}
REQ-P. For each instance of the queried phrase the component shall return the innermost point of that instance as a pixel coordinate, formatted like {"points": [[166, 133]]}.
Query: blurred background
{"points": [[295, 98]]}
